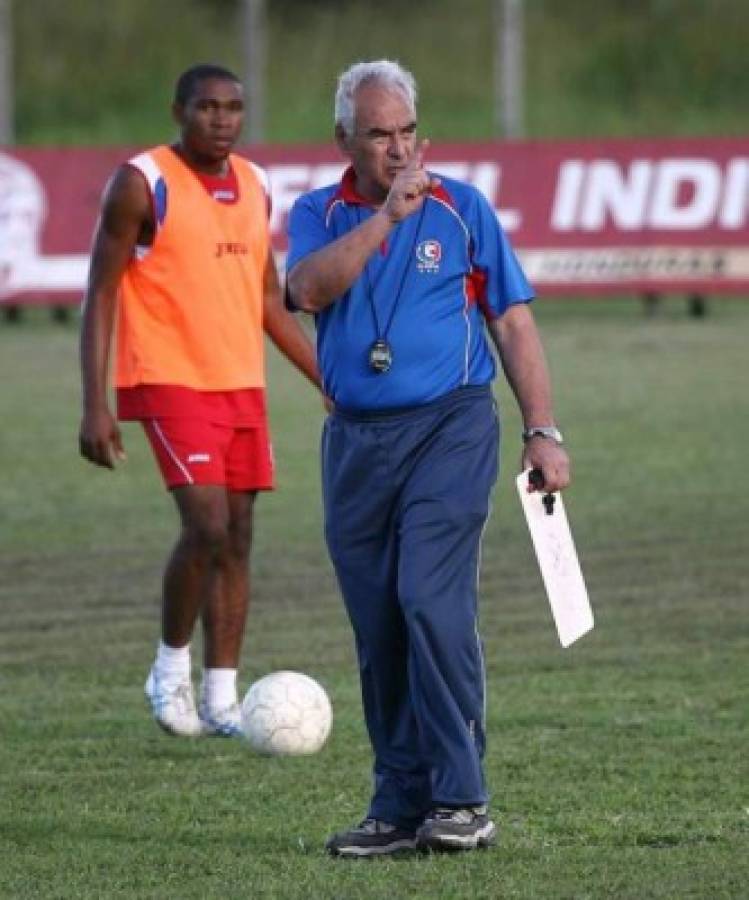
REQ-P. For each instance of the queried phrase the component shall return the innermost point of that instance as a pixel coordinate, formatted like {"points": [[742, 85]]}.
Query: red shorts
{"points": [[195, 451]]}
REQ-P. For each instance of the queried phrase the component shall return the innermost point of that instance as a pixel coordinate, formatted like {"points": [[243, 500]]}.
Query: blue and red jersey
{"points": [[439, 275]]}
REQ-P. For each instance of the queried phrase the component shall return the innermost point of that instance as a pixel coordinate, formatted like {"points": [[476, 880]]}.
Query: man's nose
{"points": [[221, 116], [397, 146]]}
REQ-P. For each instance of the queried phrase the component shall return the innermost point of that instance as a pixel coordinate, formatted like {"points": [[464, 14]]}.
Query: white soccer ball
{"points": [[286, 714]]}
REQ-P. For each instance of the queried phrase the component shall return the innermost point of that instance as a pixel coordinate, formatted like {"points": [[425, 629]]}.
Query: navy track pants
{"points": [[406, 498]]}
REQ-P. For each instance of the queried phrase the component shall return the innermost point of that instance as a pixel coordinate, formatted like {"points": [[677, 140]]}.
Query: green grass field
{"points": [[618, 767]]}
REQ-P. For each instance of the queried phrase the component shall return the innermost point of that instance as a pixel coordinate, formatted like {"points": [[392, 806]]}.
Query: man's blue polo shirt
{"points": [[440, 273]]}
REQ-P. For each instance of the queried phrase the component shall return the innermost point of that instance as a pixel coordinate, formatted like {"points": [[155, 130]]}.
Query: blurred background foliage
{"points": [[88, 72]]}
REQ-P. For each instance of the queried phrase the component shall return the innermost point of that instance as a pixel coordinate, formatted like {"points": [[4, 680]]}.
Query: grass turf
{"points": [[618, 767]]}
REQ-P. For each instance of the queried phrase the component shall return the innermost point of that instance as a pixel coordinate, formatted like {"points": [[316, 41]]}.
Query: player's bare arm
{"points": [[125, 220], [519, 346], [283, 328]]}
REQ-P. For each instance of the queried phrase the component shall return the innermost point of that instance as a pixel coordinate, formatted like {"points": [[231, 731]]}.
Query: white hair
{"points": [[384, 72]]}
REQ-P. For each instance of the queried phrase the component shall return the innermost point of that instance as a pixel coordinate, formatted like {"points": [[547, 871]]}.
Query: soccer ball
{"points": [[286, 714]]}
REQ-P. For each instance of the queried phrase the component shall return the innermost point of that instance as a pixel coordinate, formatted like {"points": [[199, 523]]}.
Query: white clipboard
{"points": [[557, 559]]}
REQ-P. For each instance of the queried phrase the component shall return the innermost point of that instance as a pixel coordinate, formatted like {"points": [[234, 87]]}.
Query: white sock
{"points": [[219, 688], [172, 663]]}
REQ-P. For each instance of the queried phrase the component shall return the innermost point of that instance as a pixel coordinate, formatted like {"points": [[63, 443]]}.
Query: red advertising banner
{"points": [[590, 217]]}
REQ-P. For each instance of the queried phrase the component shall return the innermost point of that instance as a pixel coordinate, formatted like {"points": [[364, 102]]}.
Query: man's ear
{"points": [[341, 138], [178, 113]]}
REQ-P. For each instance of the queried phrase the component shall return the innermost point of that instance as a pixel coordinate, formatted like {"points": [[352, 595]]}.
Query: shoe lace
{"points": [[448, 814], [181, 696], [374, 826]]}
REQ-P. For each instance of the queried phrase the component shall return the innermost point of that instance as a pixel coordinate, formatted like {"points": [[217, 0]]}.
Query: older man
{"points": [[406, 273]]}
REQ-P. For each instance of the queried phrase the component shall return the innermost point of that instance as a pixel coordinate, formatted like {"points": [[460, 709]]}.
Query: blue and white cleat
{"points": [[225, 722], [173, 706]]}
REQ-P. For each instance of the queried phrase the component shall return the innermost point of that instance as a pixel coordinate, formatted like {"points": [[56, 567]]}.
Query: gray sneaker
{"points": [[456, 829], [371, 837]]}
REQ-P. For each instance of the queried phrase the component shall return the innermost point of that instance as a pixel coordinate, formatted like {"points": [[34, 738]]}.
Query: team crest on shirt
{"points": [[428, 256]]}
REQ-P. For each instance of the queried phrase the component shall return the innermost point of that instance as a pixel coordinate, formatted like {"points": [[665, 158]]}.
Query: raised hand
{"points": [[410, 186]]}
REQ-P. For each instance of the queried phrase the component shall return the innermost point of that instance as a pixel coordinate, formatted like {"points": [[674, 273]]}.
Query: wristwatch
{"points": [[547, 431]]}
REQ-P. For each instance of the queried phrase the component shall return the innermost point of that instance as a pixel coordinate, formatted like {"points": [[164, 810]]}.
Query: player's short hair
{"points": [[385, 72], [190, 78]]}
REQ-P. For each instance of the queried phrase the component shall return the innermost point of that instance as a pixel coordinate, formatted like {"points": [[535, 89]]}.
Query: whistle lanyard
{"points": [[382, 333]]}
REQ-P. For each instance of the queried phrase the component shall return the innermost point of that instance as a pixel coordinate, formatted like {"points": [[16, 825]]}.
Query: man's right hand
{"points": [[410, 186], [100, 440]]}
